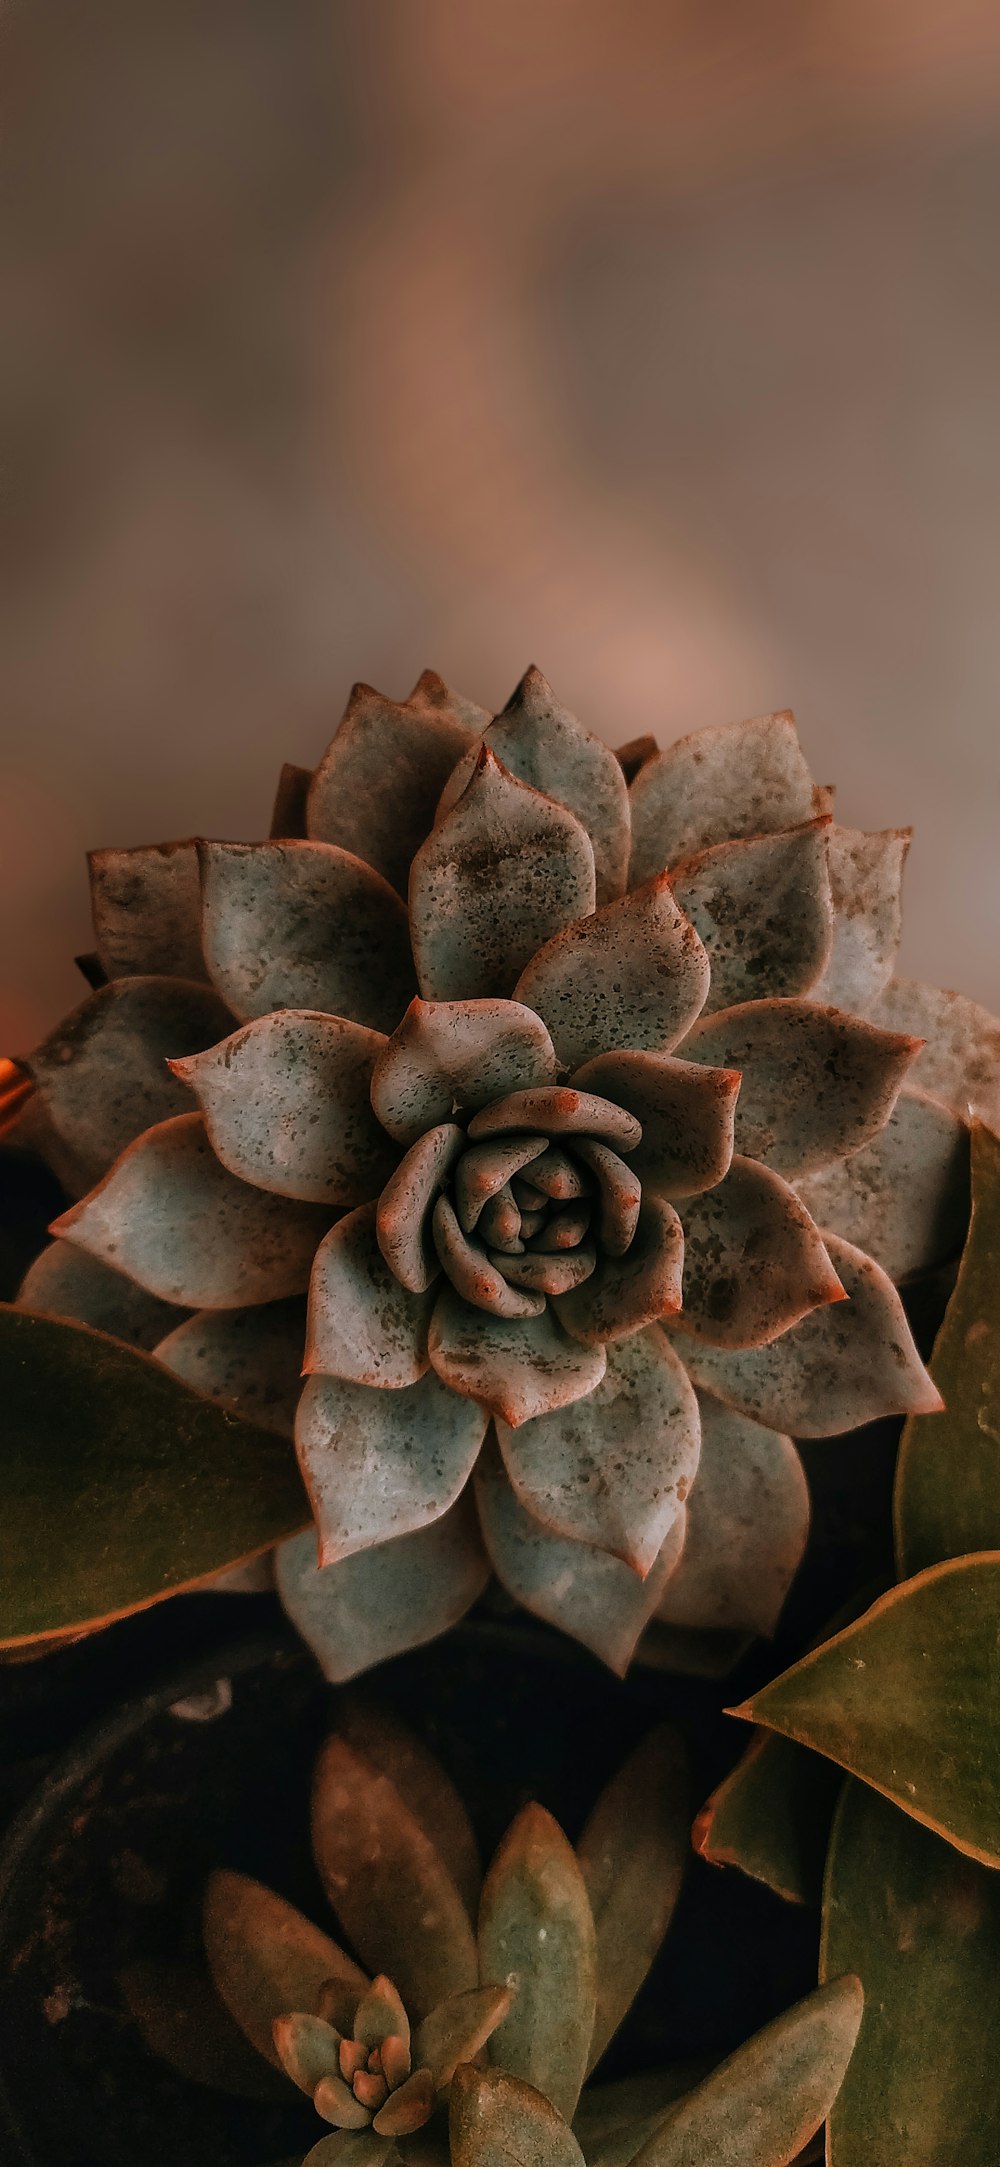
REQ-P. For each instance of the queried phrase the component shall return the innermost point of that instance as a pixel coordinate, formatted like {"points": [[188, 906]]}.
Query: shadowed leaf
{"points": [[771, 1817], [267, 1959], [497, 2118], [181, 2018], [380, 1602], [421, 1782], [632, 1856]]}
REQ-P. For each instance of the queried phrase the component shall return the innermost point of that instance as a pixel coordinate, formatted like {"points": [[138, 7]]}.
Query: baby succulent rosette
{"points": [[574, 1093]]}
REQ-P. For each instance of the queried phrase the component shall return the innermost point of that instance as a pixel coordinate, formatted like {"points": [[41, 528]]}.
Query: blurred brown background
{"points": [[657, 344]]}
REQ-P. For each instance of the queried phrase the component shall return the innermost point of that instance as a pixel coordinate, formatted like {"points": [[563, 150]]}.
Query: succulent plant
{"points": [[513, 1988], [596, 1158]]}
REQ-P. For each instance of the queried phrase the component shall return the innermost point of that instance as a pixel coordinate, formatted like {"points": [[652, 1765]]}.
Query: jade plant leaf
{"points": [[496, 2118], [422, 1784], [922, 1926], [924, 1733], [536, 1932], [632, 1856], [168, 1487], [765, 2102], [391, 1890], [266, 1958], [947, 1498], [771, 1817]]}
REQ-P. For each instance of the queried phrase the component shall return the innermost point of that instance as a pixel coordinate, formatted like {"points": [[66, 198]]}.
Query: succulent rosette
{"points": [[554, 1115]]}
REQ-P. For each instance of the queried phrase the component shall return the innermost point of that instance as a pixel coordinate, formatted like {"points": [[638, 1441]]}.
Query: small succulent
{"points": [[514, 1988], [596, 1158]]}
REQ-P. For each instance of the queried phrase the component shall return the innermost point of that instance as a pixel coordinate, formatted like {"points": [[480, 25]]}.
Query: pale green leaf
{"points": [[632, 1856], [537, 1935], [499, 2121]]}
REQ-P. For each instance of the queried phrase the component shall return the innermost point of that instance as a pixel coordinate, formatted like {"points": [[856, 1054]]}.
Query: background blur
{"points": [[658, 344]]}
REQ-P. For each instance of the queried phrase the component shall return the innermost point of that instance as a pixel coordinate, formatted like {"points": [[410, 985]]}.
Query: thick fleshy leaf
{"points": [[364, 1326], [495, 2117], [335, 2101], [771, 1817], [845, 1363], [388, 1883], [103, 1076], [922, 1731], [619, 1196], [585, 1592], [347, 2148], [266, 1959], [686, 1113], [307, 2048], [64, 1282], [249, 1359], [408, 2108], [625, 1293], [485, 1169], [375, 790], [406, 1206], [613, 1470], [422, 1784], [304, 925], [960, 1062], [633, 974], [474, 1279], [458, 2029], [753, 1260], [561, 1111], [502, 872], [180, 2018], [187, 1230], [634, 755], [288, 814], [613, 2120], [947, 1499], [543, 745], [536, 1933], [904, 1197], [763, 912], [381, 1602], [922, 1926], [766, 2101], [287, 1107], [146, 908], [169, 1487], [517, 1367], [747, 1523], [457, 1053], [866, 875], [632, 1854], [816, 1083], [380, 2012], [377, 1464], [431, 695], [748, 778]]}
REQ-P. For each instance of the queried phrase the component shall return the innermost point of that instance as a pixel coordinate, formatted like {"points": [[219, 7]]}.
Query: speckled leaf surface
{"points": [[287, 1107], [167, 1487], [504, 871], [304, 925], [496, 2117], [748, 778], [388, 1884], [380, 1602], [747, 1523], [624, 1293], [266, 1958], [406, 1206], [363, 1325], [922, 1926], [375, 790], [249, 1359], [634, 974], [866, 875], [537, 1935], [380, 1464], [613, 1470], [763, 912], [376, 1734], [754, 1263], [923, 1733], [816, 1083], [904, 1197], [960, 1062], [65, 1282], [686, 1113], [846, 1363], [103, 1075], [765, 2102], [947, 1497], [465, 1053], [516, 1367], [146, 908], [190, 1232], [632, 1855], [771, 1817]]}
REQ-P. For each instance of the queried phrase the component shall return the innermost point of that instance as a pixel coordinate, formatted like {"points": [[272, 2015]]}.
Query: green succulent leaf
{"points": [[771, 1817], [537, 1934], [614, 2120], [499, 2118], [457, 2029], [387, 1881], [948, 1474], [129, 1484], [422, 1784], [307, 2048], [632, 1856], [349, 2148], [267, 1959], [922, 1731], [765, 2102], [749, 778], [922, 1926], [381, 1602]]}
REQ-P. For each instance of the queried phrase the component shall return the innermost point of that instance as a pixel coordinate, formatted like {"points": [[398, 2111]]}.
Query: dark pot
{"points": [[107, 1863]]}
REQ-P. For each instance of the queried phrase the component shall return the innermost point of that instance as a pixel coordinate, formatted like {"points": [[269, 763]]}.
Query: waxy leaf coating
{"points": [[537, 1935]]}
